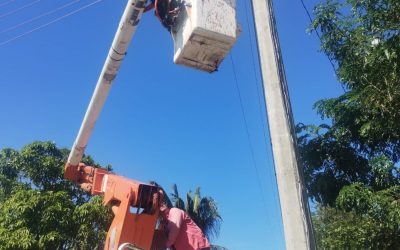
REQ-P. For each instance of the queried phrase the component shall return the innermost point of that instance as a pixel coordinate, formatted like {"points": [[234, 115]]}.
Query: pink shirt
{"points": [[183, 233]]}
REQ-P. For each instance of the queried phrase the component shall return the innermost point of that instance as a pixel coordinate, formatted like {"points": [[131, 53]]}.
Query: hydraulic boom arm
{"points": [[129, 229], [127, 27], [203, 32]]}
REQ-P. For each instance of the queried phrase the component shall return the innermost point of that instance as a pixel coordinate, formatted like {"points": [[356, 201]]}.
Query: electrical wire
{"points": [[316, 31], [302, 192], [51, 22], [257, 172], [254, 71], [39, 16], [6, 3], [260, 95], [320, 40], [19, 9]]}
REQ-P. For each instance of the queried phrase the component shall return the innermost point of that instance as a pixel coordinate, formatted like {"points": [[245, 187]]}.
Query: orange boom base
{"points": [[135, 206]]}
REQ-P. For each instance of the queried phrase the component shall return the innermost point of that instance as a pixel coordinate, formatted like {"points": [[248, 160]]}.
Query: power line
{"points": [[39, 16], [320, 39], [49, 23], [19, 9], [254, 70], [294, 202], [6, 3], [256, 80], [260, 95], [316, 31], [248, 135]]}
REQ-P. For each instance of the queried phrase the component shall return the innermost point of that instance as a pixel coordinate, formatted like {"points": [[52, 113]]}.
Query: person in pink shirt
{"points": [[183, 233]]}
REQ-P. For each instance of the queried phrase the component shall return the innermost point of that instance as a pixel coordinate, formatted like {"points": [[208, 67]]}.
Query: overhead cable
{"points": [[302, 192], [39, 16], [257, 172], [6, 3], [254, 70], [320, 40], [19, 9], [260, 94], [51, 22]]}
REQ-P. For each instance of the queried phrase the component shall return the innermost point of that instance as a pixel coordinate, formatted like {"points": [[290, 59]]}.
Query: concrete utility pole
{"points": [[293, 198]]}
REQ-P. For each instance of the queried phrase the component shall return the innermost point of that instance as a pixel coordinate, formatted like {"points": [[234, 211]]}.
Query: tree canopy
{"points": [[351, 161], [41, 210], [362, 37], [363, 219]]}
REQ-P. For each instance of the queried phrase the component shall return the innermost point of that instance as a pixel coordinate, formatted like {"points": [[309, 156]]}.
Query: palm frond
{"points": [[178, 202], [196, 201], [189, 204], [210, 219], [202, 210]]}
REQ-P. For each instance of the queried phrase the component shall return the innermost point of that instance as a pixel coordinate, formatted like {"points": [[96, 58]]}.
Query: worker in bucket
{"points": [[166, 10], [182, 232]]}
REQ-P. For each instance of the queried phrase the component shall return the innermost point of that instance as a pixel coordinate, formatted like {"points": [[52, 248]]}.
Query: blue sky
{"points": [[161, 122]]}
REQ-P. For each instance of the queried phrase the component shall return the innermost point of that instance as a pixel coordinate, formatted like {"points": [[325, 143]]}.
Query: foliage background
{"points": [[41, 210], [351, 162]]}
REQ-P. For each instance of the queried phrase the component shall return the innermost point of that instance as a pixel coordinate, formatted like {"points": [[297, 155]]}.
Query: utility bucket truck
{"points": [[203, 32]]}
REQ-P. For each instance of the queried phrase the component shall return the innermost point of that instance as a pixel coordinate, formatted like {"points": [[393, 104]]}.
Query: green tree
{"points": [[362, 219], [8, 172], [331, 162], [351, 161], [41, 210], [362, 37], [202, 210]]}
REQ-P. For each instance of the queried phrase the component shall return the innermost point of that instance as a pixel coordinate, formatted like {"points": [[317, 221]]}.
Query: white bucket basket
{"points": [[204, 33]]}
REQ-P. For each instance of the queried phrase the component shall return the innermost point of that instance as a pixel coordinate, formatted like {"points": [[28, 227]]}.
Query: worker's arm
{"points": [[175, 220]]}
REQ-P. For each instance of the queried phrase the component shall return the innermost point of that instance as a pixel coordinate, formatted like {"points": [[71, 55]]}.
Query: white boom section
{"points": [[127, 27]]}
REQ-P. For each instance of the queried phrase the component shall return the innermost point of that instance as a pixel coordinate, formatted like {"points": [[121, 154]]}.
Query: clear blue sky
{"points": [[161, 122]]}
